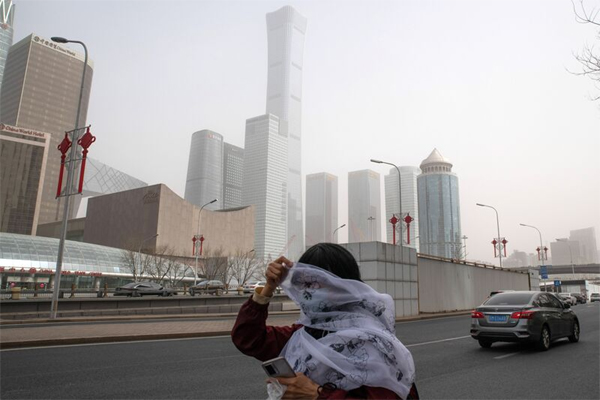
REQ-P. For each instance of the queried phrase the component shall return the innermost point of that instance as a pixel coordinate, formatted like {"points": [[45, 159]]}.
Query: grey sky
{"points": [[485, 82]]}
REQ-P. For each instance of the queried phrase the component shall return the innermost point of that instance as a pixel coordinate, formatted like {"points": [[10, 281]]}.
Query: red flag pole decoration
{"points": [[538, 251], [494, 243], [194, 246], [504, 241], [201, 242], [394, 221], [408, 219], [546, 251], [85, 141], [64, 146]]}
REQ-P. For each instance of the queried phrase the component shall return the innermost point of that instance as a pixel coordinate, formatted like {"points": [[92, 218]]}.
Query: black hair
{"points": [[333, 258]]}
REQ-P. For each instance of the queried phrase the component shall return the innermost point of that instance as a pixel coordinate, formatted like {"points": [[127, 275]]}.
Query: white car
{"points": [[250, 286], [567, 298]]}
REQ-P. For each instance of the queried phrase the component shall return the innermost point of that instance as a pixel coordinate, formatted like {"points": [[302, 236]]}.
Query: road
{"points": [[450, 365]]}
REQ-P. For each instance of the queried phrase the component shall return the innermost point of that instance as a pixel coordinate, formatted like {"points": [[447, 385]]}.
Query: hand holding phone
{"points": [[278, 367]]}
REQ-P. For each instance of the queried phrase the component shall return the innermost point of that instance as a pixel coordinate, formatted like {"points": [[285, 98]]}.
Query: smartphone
{"points": [[278, 367]]}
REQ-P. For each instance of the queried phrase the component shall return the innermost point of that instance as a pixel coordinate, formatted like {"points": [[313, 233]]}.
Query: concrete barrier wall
{"points": [[392, 270], [445, 286]]}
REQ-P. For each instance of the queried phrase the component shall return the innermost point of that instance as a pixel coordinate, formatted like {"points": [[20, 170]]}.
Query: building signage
{"points": [[14, 270], [55, 46], [21, 131], [151, 197]]}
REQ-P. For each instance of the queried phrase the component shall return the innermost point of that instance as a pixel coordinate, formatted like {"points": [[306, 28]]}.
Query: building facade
{"points": [[364, 206], [566, 252], [588, 247], [7, 17], [286, 30], [410, 204], [439, 208], [40, 91], [321, 208], [233, 175], [23, 154], [204, 181], [265, 185]]}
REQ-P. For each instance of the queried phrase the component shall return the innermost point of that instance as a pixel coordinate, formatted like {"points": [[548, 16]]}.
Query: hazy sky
{"points": [[484, 82]]}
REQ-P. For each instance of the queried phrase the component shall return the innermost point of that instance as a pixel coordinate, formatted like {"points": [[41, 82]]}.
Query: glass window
{"points": [[509, 299]]}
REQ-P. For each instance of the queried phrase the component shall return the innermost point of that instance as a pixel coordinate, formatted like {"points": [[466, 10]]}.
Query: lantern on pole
{"points": [[408, 219], [538, 251], [504, 241], [494, 242], [201, 242], [394, 221], [194, 245], [85, 141], [63, 147]]}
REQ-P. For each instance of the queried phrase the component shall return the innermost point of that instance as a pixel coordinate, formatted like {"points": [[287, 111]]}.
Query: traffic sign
{"points": [[556, 283], [544, 272]]}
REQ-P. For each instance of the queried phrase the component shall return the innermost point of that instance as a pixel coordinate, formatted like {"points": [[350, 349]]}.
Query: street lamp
{"points": [[139, 253], [570, 253], [541, 246], [337, 229], [399, 193], [499, 238], [70, 173], [198, 237]]}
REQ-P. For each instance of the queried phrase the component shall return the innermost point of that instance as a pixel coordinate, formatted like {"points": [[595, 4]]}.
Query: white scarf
{"points": [[361, 349]]}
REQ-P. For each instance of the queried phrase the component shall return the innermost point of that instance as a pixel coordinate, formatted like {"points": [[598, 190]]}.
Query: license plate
{"points": [[497, 318]]}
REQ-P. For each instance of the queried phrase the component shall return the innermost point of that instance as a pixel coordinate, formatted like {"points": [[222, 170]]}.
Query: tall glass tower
{"points": [[204, 181], [7, 16], [364, 209], [410, 204], [321, 208], [439, 208], [286, 29]]}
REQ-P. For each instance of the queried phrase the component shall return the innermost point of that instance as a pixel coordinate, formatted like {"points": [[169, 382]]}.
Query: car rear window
{"points": [[509, 299]]}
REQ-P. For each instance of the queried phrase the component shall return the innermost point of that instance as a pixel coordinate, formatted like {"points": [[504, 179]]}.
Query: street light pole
{"points": [[570, 253], [335, 231], [399, 193], [70, 173], [499, 237], [541, 247], [139, 254], [198, 237]]}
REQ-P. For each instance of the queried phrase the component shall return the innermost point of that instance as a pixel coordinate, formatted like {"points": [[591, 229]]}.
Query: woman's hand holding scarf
{"points": [[275, 274]]}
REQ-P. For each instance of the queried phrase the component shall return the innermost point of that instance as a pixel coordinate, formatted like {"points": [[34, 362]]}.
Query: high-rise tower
{"points": [[40, 91], [439, 208], [410, 204], [204, 181], [286, 30], [233, 175], [364, 206], [321, 208], [7, 16]]}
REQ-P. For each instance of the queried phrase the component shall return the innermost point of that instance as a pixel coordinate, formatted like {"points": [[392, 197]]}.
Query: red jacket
{"points": [[253, 337]]}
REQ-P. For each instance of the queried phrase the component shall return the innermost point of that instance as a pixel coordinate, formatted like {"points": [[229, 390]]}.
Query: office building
{"points": [[364, 206], [439, 208], [23, 154], [233, 175], [321, 208], [410, 204], [204, 181], [566, 252], [40, 91], [587, 244], [286, 30], [265, 185], [7, 17]]}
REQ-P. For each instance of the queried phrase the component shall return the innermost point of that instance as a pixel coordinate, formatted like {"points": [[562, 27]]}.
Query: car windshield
{"points": [[131, 285], [509, 299]]}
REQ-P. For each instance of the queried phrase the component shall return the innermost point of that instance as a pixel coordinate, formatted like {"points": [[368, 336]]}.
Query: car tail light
{"points": [[476, 314], [522, 315]]}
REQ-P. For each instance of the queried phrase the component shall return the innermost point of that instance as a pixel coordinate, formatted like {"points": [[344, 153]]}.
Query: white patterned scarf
{"points": [[361, 348]]}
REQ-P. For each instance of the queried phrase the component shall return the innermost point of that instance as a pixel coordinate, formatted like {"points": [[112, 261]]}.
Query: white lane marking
{"points": [[113, 343], [437, 341], [504, 356]]}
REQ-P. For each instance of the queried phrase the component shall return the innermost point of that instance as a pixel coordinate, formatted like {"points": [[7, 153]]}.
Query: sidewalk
{"points": [[65, 331]]}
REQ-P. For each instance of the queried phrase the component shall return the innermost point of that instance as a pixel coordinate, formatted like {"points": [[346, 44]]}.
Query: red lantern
{"points": [[408, 219], [394, 221], [64, 146], [85, 141], [494, 242]]}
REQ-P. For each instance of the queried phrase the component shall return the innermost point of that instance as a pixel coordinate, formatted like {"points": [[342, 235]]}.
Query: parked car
{"points": [[579, 297], [594, 297], [567, 298], [499, 291], [207, 287], [537, 317], [250, 286], [139, 289]]}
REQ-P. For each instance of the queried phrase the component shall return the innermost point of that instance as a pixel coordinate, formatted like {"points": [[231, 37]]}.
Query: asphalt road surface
{"points": [[450, 365]]}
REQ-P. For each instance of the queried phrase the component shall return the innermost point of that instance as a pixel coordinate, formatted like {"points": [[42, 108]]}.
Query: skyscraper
{"points": [[364, 206], [23, 154], [204, 181], [410, 203], [439, 208], [7, 16], [40, 91], [233, 175], [265, 185], [321, 208], [587, 244], [286, 29]]}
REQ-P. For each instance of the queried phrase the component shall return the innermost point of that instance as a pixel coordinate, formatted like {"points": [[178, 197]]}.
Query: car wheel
{"points": [[192, 292], [543, 343], [137, 294], [164, 294], [574, 338], [486, 344]]}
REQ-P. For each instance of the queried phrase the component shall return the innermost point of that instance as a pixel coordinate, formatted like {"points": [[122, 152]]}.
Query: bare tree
{"points": [[136, 263], [242, 266], [589, 58], [213, 264]]}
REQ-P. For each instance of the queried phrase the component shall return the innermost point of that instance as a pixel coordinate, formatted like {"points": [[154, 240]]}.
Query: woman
{"points": [[344, 345]]}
